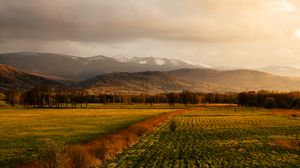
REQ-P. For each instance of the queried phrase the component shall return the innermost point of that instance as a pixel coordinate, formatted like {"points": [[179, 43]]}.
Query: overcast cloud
{"points": [[241, 33]]}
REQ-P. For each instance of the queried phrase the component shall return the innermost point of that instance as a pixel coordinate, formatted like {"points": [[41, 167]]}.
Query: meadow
{"points": [[23, 131], [219, 137]]}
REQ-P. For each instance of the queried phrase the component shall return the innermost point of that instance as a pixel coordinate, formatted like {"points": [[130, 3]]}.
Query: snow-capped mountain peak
{"points": [[124, 58], [159, 61], [139, 60], [205, 66]]}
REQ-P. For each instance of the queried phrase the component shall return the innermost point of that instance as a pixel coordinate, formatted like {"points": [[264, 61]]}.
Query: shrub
{"points": [[79, 157], [173, 126], [296, 103], [54, 154], [270, 103]]}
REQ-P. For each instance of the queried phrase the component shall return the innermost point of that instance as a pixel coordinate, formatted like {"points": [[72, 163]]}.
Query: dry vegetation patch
{"points": [[288, 143], [286, 112]]}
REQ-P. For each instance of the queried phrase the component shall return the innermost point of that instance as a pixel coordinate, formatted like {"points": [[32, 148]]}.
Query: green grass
{"points": [[23, 131], [218, 137]]}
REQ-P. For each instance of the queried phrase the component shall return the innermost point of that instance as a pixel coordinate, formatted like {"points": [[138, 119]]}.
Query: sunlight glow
{"points": [[297, 34], [287, 6]]}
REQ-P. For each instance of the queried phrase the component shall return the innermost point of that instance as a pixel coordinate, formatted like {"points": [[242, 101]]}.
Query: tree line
{"points": [[39, 97], [184, 97], [269, 99]]}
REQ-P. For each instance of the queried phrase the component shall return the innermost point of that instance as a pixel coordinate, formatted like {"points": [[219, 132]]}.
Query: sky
{"points": [[236, 33]]}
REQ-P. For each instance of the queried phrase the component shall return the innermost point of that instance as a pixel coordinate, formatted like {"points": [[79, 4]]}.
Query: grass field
{"points": [[219, 137], [23, 131]]}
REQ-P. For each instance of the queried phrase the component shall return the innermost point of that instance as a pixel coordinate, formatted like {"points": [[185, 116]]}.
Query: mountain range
{"points": [[199, 80], [131, 75], [58, 66]]}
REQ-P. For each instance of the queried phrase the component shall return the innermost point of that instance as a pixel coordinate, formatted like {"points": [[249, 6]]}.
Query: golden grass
{"points": [[24, 131]]}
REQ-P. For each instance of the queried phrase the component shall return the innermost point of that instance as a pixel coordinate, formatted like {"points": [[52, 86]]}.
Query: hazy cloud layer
{"points": [[118, 20], [98, 26]]}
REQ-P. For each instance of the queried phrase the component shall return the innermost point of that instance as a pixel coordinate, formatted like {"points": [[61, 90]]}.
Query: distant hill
{"points": [[13, 78], [154, 82], [204, 80], [281, 70], [134, 83], [58, 66], [241, 79]]}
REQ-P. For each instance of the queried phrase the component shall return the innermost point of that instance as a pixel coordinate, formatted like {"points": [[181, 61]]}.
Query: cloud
{"points": [[118, 21], [239, 33]]}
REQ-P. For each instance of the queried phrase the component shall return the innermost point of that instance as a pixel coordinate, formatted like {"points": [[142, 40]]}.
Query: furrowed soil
{"points": [[219, 137]]}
